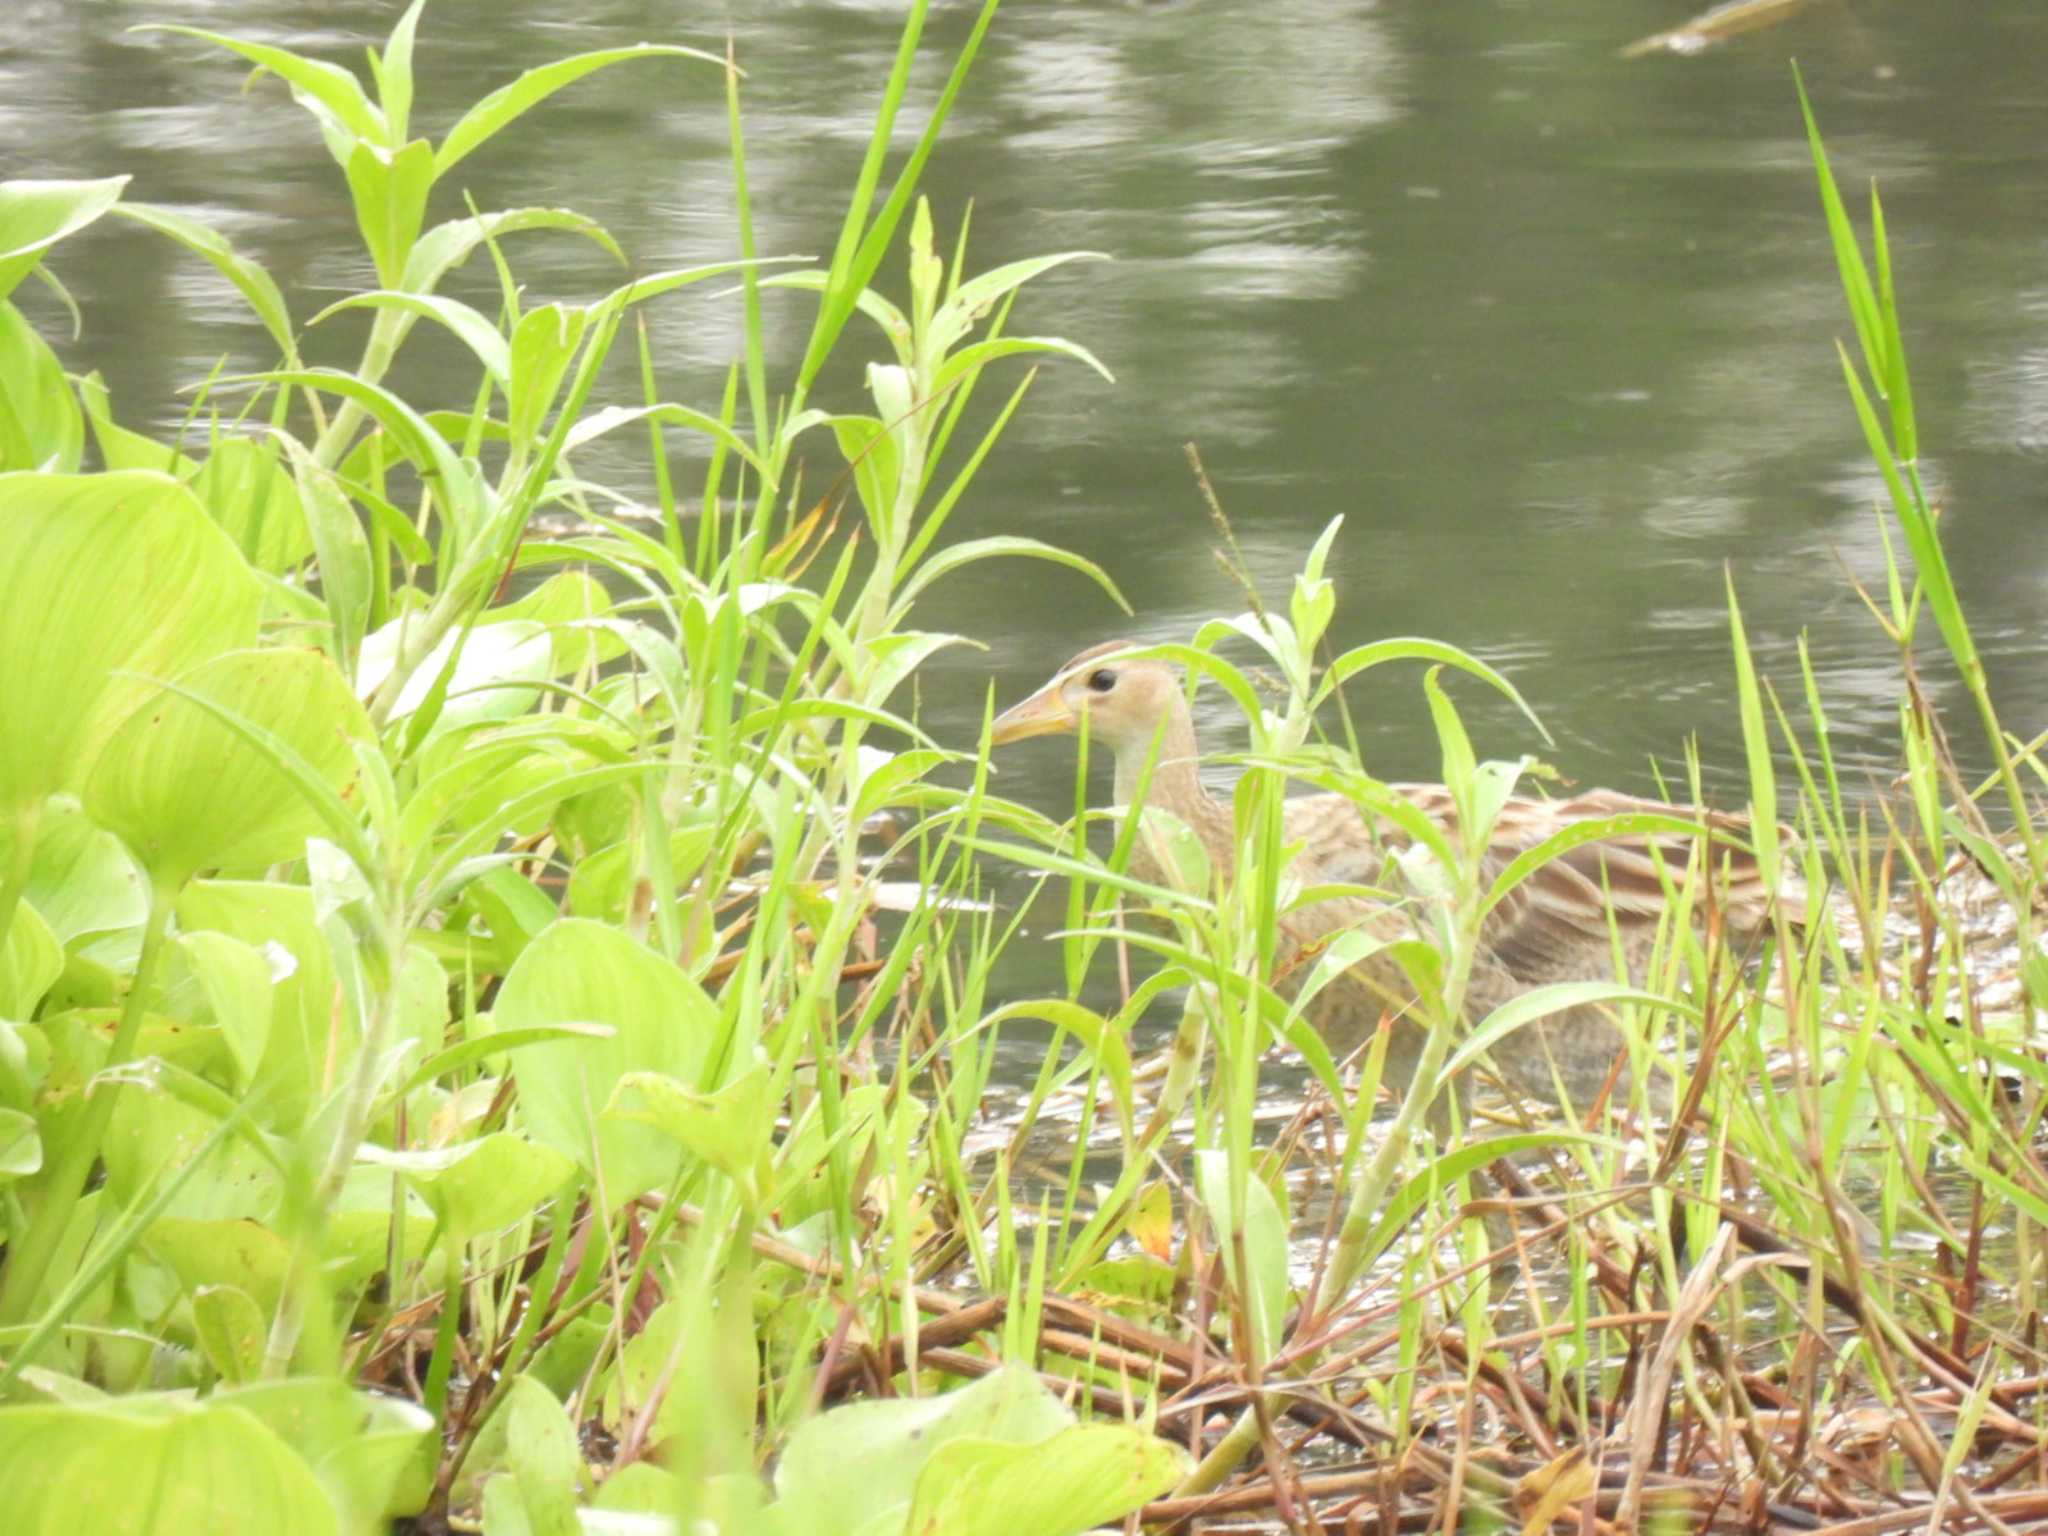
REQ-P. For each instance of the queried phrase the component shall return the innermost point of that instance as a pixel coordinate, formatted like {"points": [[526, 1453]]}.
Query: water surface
{"points": [[1553, 330]]}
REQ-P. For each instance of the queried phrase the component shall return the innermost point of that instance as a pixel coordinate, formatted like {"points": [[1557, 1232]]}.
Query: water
{"points": [[1554, 331]]}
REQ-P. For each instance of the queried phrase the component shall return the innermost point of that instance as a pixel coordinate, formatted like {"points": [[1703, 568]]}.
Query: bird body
{"points": [[1571, 919]]}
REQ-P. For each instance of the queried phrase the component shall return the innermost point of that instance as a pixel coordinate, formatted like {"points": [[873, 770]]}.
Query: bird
{"points": [[1559, 924]]}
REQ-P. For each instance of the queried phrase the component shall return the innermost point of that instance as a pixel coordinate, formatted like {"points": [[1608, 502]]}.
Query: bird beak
{"points": [[1045, 713]]}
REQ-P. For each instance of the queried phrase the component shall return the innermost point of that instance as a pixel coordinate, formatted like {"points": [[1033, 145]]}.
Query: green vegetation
{"points": [[462, 1056]]}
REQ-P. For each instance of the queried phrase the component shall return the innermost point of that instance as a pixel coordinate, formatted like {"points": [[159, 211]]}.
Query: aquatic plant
{"points": [[499, 1006]]}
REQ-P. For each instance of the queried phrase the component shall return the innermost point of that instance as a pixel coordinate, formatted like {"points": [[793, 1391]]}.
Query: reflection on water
{"points": [[1554, 330]]}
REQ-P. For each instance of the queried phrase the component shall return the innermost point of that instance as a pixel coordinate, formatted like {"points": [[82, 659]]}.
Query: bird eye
{"points": [[1101, 680]]}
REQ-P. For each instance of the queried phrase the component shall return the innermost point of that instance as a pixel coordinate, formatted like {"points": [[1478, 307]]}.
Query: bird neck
{"points": [[1175, 783]]}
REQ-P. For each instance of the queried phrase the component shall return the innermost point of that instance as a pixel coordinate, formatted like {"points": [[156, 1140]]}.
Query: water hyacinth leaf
{"points": [[187, 790], [152, 1465], [496, 676], [21, 1145], [1261, 1276], [482, 1185], [119, 571], [601, 886], [251, 495], [728, 1129], [239, 1253], [250, 280], [509, 102], [850, 1469], [35, 215], [546, 1467], [306, 1023], [236, 979], [122, 449], [31, 960], [1083, 1477], [585, 972], [384, 1466], [492, 1043], [41, 427], [231, 1330]]}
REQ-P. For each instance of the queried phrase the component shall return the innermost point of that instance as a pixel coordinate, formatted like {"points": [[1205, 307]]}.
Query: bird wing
{"points": [[1555, 922]]}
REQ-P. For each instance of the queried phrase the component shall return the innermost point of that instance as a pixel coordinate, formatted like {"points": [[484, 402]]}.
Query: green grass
{"points": [[457, 1059]]}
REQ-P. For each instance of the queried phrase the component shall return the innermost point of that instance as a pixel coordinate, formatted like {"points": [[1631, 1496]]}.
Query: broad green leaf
{"points": [[123, 449], [601, 885], [231, 1330], [309, 1027], [104, 572], [584, 972], [496, 677], [847, 1469], [253, 283], [251, 495], [478, 1186], [31, 960], [872, 454], [236, 978], [41, 427], [154, 1466], [186, 791], [729, 1129], [212, 1252], [538, 1497], [509, 102], [21, 1145], [35, 215], [1081, 1478], [375, 1453]]}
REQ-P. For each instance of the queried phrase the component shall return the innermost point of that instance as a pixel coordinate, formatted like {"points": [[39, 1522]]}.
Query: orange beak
{"points": [[1045, 713]]}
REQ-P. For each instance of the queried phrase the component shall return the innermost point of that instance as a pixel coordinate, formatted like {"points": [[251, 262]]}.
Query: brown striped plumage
{"points": [[1564, 922]]}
